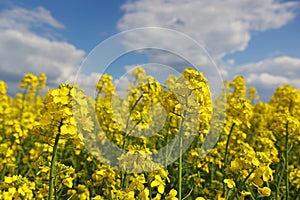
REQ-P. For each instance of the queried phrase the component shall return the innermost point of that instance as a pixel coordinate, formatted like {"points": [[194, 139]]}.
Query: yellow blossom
{"points": [[265, 191]]}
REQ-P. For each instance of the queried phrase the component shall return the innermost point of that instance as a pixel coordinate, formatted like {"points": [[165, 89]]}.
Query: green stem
{"points": [[189, 194], [166, 150], [287, 162], [51, 180], [180, 153], [123, 174], [28, 164], [251, 192], [3, 173], [282, 171], [241, 185], [278, 178], [226, 156], [180, 168], [227, 146]]}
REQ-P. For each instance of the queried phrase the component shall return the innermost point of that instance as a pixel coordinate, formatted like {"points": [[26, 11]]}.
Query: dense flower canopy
{"points": [[49, 141]]}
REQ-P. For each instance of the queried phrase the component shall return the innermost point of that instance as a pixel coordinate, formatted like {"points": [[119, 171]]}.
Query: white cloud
{"points": [[23, 19], [267, 79], [25, 51], [222, 27], [286, 66], [86, 82], [122, 85], [270, 73]]}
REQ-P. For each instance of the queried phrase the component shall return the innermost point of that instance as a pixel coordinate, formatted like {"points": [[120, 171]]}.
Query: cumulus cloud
{"points": [[87, 82], [270, 73], [24, 51], [24, 19], [221, 27], [122, 85], [266, 79]]}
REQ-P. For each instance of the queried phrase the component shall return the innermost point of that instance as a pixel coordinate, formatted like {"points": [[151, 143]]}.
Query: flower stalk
{"points": [[54, 155], [51, 180], [287, 162]]}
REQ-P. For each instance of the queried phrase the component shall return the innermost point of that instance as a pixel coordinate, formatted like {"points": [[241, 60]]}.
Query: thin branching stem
{"points": [[52, 166], [241, 185], [51, 179], [287, 162]]}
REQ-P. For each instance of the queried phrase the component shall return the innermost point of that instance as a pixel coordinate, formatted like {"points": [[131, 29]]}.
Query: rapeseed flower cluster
{"points": [[54, 144]]}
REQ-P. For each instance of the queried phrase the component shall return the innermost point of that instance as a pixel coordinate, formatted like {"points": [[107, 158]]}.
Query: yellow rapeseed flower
{"points": [[230, 183], [265, 191]]}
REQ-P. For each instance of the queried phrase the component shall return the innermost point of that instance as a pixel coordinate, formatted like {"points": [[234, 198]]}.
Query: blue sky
{"points": [[271, 43], [258, 39], [86, 24]]}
